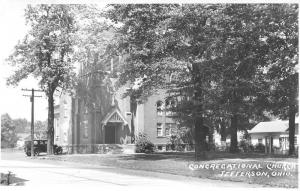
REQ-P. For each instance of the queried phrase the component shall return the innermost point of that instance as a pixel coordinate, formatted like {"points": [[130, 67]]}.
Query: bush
{"points": [[251, 148], [260, 148], [176, 143], [245, 146], [143, 145]]}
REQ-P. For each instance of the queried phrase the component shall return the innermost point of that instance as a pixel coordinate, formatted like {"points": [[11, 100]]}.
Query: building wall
{"points": [[255, 138], [63, 121], [146, 118], [217, 137], [276, 139], [152, 119], [139, 122]]}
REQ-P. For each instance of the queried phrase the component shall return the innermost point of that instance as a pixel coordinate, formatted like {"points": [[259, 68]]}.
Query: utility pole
{"points": [[32, 96]]}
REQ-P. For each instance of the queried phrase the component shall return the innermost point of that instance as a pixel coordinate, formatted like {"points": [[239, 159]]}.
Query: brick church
{"points": [[99, 119]]}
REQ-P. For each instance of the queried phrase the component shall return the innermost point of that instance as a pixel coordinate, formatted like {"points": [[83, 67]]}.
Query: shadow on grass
{"points": [[11, 179]]}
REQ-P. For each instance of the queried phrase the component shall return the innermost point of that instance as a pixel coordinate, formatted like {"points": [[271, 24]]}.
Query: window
{"points": [[85, 129], [65, 109], [174, 129], [159, 108], [295, 140], [85, 124], [170, 104], [159, 130], [260, 140], [168, 107], [170, 129], [167, 130]]}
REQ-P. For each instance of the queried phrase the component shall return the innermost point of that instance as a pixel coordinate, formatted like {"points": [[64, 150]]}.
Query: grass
{"points": [[182, 163]]}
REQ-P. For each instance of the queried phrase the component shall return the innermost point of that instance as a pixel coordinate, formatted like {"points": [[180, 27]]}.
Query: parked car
{"points": [[40, 146]]}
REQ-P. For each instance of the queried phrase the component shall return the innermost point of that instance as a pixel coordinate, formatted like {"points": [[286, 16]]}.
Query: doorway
{"points": [[110, 134]]}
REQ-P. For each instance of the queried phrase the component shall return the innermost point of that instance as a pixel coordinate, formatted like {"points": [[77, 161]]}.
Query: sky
{"points": [[13, 28]]}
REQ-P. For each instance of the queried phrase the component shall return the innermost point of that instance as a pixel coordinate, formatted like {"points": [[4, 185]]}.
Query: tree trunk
{"points": [[292, 115], [133, 108], [200, 139], [223, 130], [50, 132], [211, 145], [233, 134], [200, 130]]}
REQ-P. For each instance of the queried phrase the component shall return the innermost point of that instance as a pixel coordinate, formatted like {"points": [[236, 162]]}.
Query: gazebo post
{"points": [[266, 142]]}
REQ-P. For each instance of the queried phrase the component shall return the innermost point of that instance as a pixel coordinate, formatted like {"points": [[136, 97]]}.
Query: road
{"points": [[37, 172]]}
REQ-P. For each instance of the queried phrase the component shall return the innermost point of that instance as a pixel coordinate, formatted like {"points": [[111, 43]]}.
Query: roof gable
{"points": [[114, 116]]}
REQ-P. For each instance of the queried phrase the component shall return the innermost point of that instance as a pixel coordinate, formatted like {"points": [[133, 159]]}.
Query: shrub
{"points": [[244, 146], [176, 143], [260, 148], [143, 145], [251, 148]]}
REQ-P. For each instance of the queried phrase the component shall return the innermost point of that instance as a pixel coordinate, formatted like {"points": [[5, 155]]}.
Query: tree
{"points": [[282, 45], [45, 53], [161, 40], [240, 59], [219, 55], [94, 90], [8, 132], [22, 125]]}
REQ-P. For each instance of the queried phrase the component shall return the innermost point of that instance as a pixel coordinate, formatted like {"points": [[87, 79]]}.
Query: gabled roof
{"points": [[272, 127], [114, 116]]}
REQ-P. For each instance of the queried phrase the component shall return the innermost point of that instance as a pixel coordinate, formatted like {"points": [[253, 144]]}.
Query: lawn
{"points": [[275, 171]]}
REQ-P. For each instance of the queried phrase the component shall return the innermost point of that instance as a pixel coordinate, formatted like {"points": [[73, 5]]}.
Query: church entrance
{"points": [[110, 134], [115, 128]]}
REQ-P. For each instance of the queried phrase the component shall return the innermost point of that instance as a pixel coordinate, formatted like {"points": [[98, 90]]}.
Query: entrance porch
{"points": [[116, 129]]}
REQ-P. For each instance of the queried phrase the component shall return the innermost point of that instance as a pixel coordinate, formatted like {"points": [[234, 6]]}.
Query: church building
{"points": [[99, 119]]}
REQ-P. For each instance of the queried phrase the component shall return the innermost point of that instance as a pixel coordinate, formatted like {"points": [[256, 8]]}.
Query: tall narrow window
{"points": [[85, 124], [159, 108], [167, 129], [159, 130], [170, 105], [260, 140]]}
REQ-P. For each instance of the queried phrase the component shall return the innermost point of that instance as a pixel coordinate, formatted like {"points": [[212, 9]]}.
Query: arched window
{"points": [[170, 104], [159, 108]]}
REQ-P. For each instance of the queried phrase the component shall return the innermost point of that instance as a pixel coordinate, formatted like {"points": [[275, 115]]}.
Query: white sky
{"points": [[13, 28]]}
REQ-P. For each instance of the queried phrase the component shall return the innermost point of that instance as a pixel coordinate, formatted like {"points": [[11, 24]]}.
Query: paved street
{"points": [[41, 172]]}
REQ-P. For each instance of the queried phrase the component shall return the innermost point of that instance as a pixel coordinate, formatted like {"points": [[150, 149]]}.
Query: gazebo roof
{"points": [[272, 127]]}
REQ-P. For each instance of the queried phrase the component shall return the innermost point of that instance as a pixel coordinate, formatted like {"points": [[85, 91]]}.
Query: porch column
{"points": [[103, 133], [270, 144], [266, 150]]}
